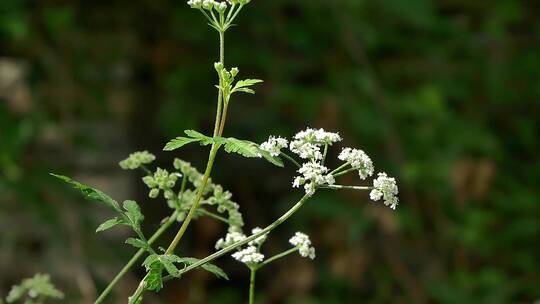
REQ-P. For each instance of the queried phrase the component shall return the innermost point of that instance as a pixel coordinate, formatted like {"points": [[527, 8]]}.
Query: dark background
{"points": [[444, 95]]}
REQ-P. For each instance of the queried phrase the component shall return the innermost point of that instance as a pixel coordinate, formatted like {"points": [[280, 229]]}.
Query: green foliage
{"points": [[243, 85], [34, 290], [155, 265], [90, 193], [242, 147]]}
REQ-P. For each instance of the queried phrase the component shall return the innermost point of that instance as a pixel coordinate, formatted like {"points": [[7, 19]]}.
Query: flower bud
{"points": [[154, 193]]}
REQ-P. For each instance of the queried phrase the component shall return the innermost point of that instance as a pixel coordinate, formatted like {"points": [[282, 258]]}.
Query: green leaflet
{"points": [[178, 143], [133, 214], [194, 136], [138, 243], [155, 264], [218, 272], [245, 148], [110, 224], [242, 85], [90, 193]]}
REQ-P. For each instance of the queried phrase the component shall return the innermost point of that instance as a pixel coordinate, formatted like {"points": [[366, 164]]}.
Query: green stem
{"points": [[340, 187], [213, 215], [345, 172], [135, 258], [250, 238], [209, 165], [339, 168], [252, 285], [292, 160], [233, 17], [277, 256], [324, 154]]}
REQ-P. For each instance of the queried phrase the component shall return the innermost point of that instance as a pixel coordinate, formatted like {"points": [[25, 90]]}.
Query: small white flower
{"points": [[302, 241], [359, 160], [208, 4], [385, 187], [249, 256], [274, 145], [313, 176], [307, 144], [230, 238], [260, 240], [220, 6], [195, 3]]}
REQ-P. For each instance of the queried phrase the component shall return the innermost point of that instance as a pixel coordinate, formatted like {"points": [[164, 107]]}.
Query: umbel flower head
{"points": [[249, 256], [302, 241], [307, 144], [274, 145], [313, 176], [359, 160], [386, 188]]}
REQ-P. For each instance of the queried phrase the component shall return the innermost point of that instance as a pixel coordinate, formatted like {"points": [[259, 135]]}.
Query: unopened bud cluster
{"points": [[137, 160]]}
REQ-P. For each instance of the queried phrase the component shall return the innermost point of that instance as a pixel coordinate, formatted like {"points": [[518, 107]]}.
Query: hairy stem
{"points": [[253, 271]]}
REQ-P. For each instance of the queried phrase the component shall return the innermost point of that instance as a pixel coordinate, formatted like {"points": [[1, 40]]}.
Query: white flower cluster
{"points": [[313, 175], [307, 144], [217, 5], [385, 187], [249, 256], [274, 145], [230, 238], [359, 160], [302, 241], [208, 5]]}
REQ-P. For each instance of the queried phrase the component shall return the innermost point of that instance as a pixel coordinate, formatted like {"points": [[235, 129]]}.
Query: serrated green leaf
{"points": [[275, 160], [242, 147], [137, 243], [203, 139], [246, 83], [151, 259], [168, 264], [154, 279], [245, 90], [178, 142], [109, 224], [208, 267], [90, 193], [133, 213]]}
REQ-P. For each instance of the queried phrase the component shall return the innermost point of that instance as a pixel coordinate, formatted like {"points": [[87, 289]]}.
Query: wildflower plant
{"points": [[191, 194], [35, 290]]}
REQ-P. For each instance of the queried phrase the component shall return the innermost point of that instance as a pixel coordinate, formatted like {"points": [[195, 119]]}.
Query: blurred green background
{"points": [[442, 94]]}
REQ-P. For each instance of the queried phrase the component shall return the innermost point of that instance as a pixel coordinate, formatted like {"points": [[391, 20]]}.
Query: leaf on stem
{"points": [[110, 224], [243, 85], [133, 214], [138, 243], [90, 193]]}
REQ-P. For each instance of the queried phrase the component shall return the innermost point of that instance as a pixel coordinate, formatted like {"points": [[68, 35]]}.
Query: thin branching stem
{"points": [[277, 256], [289, 158]]}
